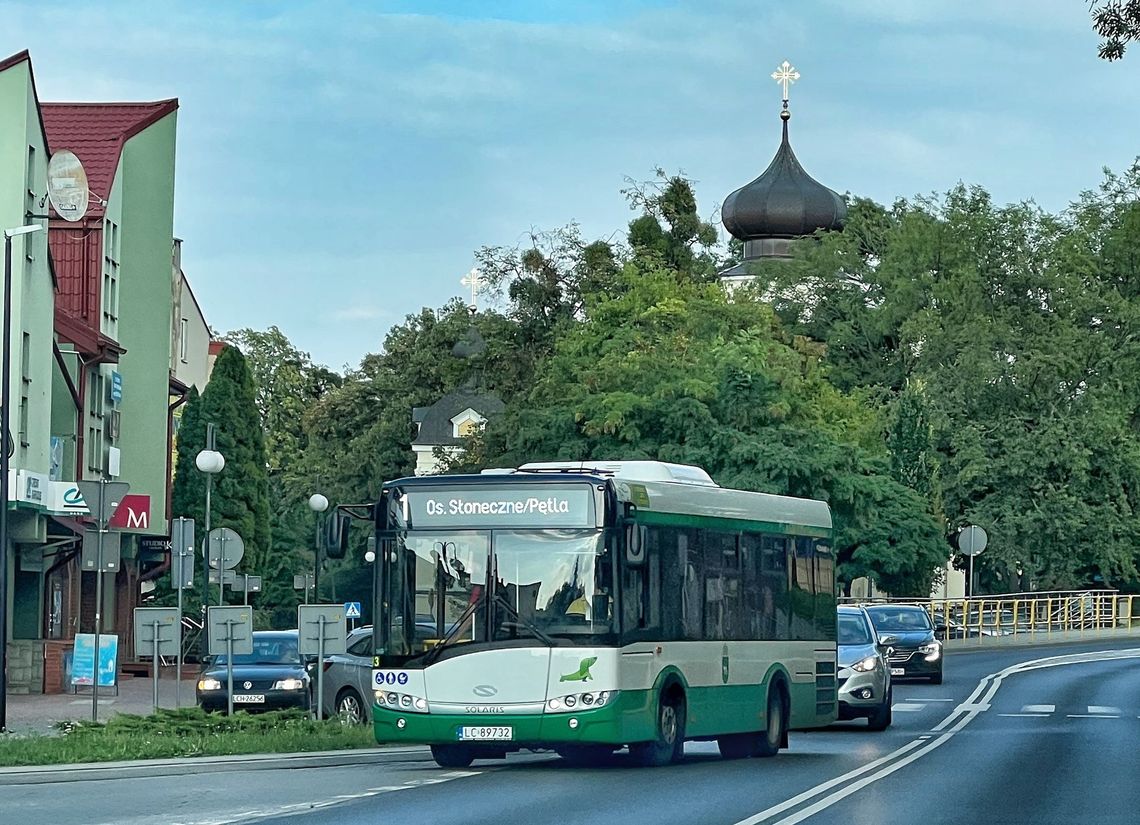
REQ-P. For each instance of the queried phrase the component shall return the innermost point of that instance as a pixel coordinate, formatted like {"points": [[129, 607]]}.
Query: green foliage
{"points": [[182, 733], [1000, 340], [1118, 22], [240, 495], [675, 371]]}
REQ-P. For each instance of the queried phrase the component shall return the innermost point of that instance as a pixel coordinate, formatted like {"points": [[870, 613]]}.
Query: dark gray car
{"points": [[347, 689]]}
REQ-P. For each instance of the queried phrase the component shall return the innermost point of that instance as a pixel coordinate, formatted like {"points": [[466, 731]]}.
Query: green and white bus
{"points": [[585, 607]]}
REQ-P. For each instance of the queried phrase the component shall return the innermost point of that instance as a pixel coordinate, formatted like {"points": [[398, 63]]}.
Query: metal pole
{"points": [[230, 667], [970, 583], [180, 532], [317, 566], [245, 589], [98, 597], [155, 663], [206, 551], [5, 444], [221, 568], [320, 666]]}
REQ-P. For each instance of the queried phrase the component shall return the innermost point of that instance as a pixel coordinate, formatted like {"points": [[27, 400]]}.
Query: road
{"points": [[995, 743]]}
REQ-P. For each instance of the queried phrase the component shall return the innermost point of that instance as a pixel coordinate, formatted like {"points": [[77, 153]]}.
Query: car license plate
{"points": [[487, 733], [249, 698], [898, 671]]}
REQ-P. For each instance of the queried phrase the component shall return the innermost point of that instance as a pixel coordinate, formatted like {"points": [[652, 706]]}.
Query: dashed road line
{"points": [[908, 707], [977, 703], [1038, 708]]}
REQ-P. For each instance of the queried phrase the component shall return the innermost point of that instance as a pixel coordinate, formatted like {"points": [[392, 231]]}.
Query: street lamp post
{"points": [[318, 504], [6, 446], [210, 462]]}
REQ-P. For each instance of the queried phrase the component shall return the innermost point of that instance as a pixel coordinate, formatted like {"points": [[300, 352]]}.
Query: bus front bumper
{"points": [[629, 719]]}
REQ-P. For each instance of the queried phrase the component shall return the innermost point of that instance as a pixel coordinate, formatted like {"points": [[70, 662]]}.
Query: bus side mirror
{"points": [[336, 535], [634, 544]]}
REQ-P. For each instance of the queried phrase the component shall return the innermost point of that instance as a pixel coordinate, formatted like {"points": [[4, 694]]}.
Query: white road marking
{"points": [[1104, 710], [1038, 708], [1091, 716], [977, 703], [908, 707], [1027, 715]]}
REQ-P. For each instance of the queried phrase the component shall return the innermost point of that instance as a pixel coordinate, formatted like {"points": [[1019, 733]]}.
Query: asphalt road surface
{"points": [[1000, 741]]}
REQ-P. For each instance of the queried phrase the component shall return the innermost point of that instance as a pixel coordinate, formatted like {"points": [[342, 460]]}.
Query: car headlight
{"points": [[289, 684], [209, 684], [866, 665], [931, 650]]}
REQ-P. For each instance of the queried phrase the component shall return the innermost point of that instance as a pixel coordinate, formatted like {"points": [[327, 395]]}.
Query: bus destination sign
{"points": [[505, 506]]}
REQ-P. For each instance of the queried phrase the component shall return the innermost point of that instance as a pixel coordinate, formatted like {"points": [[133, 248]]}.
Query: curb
{"points": [[94, 771]]}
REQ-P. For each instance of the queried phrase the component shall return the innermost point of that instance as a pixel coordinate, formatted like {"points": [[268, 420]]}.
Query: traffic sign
{"points": [[227, 546], [89, 553], [182, 552], [112, 493], [352, 610], [972, 540], [157, 624], [249, 584], [227, 576]]}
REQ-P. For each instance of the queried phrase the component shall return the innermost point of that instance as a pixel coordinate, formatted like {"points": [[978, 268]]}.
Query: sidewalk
{"points": [[38, 713]]}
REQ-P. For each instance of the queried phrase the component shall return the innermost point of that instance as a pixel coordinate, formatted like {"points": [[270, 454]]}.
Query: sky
{"points": [[339, 163]]}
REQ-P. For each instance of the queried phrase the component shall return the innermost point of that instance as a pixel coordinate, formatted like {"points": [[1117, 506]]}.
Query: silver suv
{"points": [[864, 674], [347, 688]]}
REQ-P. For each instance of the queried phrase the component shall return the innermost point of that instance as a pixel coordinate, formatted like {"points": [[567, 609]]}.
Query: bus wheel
{"points": [[669, 746], [738, 745], [452, 756], [776, 727]]}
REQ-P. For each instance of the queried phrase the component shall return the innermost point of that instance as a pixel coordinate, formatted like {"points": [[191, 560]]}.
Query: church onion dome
{"points": [[784, 203]]}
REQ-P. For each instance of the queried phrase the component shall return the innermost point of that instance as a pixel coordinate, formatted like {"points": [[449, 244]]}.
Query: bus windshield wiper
{"points": [[523, 622], [432, 655]]}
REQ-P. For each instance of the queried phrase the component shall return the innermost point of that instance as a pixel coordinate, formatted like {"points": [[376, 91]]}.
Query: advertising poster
{"points": [[83, 659]]}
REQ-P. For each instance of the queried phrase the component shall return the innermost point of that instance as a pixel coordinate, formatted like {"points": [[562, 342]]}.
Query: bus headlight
{"points": [[581, 701]]}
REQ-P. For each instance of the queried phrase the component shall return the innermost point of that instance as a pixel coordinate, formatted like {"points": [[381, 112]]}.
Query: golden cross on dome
{"points": [[474, 280], [785, 75]]}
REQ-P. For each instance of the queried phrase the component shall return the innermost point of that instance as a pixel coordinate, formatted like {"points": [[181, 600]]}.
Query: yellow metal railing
{"points": [[1026, 614]]}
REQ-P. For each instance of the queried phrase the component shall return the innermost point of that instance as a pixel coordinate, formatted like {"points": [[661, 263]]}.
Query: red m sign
{"points": [[133, 513]]}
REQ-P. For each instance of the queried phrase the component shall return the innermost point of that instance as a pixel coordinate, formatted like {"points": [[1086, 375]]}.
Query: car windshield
{"points": [[276, 650], [536, 584], [853, 630], [899, 620]]}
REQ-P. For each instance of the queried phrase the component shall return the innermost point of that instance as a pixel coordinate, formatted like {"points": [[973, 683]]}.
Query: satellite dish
{"points": [[67, 186]]}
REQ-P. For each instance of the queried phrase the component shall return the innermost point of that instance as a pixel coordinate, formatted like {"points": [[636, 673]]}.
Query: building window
{"points": [[182, 326], [31, 180], [111, 242]]}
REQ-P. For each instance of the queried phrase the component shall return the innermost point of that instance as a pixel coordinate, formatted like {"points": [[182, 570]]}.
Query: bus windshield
{"points": [[553, 586]]}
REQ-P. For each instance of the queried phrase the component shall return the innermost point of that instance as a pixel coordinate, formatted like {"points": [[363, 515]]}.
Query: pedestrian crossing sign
{"points": [[352, 610]]}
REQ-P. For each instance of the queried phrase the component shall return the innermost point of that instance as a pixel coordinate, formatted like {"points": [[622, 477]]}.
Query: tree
{"points": [[996, 339], [670, 228], [240, 497], [286, 386], [1118, 22], [675, 371]]}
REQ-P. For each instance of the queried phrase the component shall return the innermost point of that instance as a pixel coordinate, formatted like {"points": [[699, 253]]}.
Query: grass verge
{"points": [[182, 733]]}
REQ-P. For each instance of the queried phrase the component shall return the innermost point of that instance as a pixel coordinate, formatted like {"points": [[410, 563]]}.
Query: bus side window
{"points": [[824, 589], [692, 592], [774, 577], [803, 590]]}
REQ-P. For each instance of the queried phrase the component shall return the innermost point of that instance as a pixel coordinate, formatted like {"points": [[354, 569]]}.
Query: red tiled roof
{"points": [[96, 132]]}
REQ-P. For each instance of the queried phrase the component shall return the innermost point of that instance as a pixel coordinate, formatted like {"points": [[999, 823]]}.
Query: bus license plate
{"points": [[249, 698], [898, 671], [487, 733]]}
